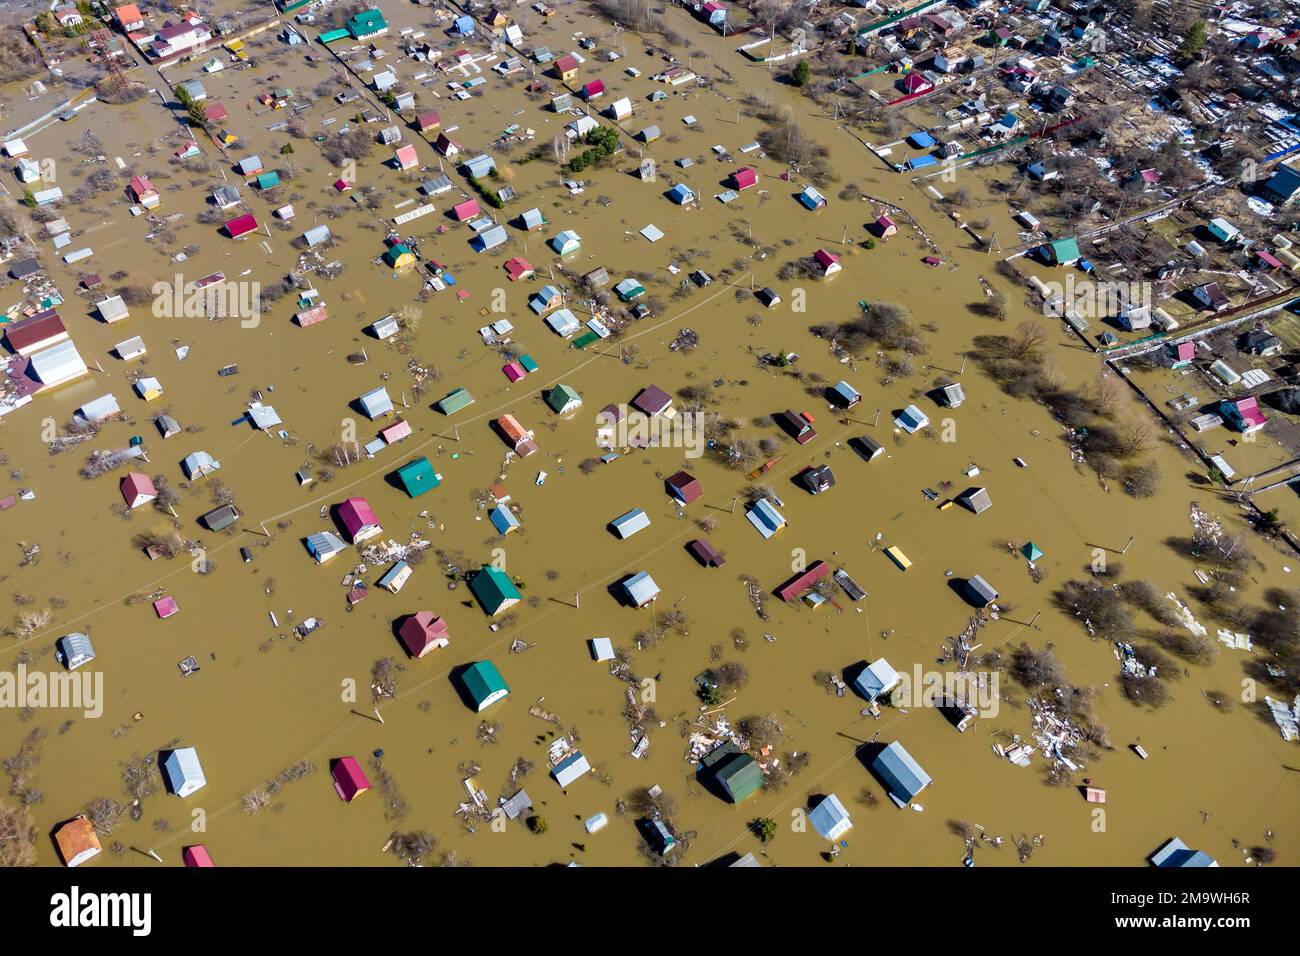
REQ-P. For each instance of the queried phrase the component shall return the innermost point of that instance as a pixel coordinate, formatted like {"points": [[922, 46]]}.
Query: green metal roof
{"points": [[418, 476], [494, 589], [366, 23], [529, 363], [560, 396], [330, 36], [455, 401], [735, 771], [1065, 250], [482, 680]]}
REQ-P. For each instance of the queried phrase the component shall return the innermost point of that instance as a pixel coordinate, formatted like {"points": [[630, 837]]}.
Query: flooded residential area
{"points": [[634, 433]]}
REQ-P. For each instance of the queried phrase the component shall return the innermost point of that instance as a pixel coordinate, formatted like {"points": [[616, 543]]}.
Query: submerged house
{"points": [[765, 518], [454, 401], [979, 592], [483, 684], [349, 779], [422, 632], [901, 774], [77, 841], [323, 545], [735, 772], [1175, 854], [912, 419], [640, 589], [628, 524], [375, 403], [137, 489], [830, 819], [562, 399], [198, 464], [417, 476], [74, 649], [570, 768], [878, 679], [183, 771], [359, 520], [976, 499], [494, 590], [1243, 414], [683, 486]]}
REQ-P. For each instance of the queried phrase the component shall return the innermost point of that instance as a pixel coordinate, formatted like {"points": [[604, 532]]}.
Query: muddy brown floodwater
{"points": [[263, 701]]}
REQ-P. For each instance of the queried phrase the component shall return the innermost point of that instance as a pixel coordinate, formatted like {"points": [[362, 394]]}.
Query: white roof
{"points": [[58, 363]]}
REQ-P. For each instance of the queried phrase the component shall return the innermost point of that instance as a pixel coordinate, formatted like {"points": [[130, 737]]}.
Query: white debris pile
{"points": [[1286, 717], [1236, 641], [1186, 617], [390, 550], [708, 738]]}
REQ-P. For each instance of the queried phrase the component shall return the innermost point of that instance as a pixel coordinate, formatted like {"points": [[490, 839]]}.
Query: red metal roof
{"points": [[744, 178], [241, 226], [800, 583], [423, 630], [684, 485], [464, 210], [356, 515], [349, 779], [197, 856], [396, 432], [34, 331], [136, 484]]}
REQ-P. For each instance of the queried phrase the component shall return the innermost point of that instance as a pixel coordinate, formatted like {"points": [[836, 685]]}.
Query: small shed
{"points": [[628, 524], [979, 592], [137, 489], [74, 649], [706, 553], [877, 679], [77, 842], [570, 768], [902, 775], [640, 589], [349, 779], [375, 403], [184, 772], [976, 499], [683, 486], [830, 819]]}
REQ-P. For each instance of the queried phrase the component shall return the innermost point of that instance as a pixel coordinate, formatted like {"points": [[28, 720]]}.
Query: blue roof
{"points": [[827, 816], [812, 198], [900, 772], [876, 678], [503, 519], [921, 161], [847, 392], [765, 518], [1177, 854], [921, 140], [681, 193], [640, 588], [1284, 182]]}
